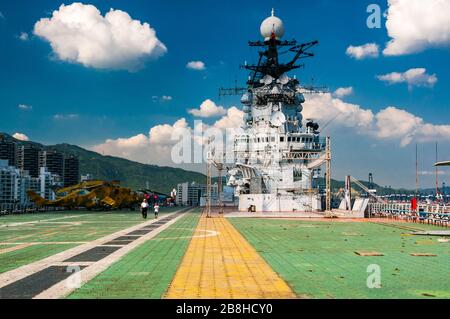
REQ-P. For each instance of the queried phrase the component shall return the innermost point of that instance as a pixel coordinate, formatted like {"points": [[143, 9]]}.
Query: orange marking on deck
{"points": [[49, 234], [20, 237], [225, 266], [17, 247]]}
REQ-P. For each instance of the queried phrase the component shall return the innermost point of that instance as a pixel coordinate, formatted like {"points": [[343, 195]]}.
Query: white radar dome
{"points": [[272, 25]]}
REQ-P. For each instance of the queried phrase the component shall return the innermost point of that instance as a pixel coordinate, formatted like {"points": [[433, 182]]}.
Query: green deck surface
{"points": [[51, 229], [318, 260], [146, 271]]}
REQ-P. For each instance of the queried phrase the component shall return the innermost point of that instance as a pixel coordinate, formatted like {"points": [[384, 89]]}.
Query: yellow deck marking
{"points": [[224, 266]]}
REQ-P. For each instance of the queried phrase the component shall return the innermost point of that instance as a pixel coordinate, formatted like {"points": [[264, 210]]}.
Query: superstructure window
{"points": [[297, 175], [281, 138]]}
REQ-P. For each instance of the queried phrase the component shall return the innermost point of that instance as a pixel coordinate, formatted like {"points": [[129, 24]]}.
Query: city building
{"points": [[14, 184], [54, 161], [87, 177], [28, 159], [47, 183], [7, 150], [71, 171], [190, 194], [8, 183]]}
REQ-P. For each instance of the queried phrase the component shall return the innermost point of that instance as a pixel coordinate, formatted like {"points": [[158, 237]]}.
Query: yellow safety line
{"points": [[224, 266]]}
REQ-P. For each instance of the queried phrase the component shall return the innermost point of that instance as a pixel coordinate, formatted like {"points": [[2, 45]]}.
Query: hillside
{"points": [[131, 174], [336, 185]]}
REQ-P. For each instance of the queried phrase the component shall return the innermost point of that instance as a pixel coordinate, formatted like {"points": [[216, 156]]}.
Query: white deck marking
{"points": [[70, 263], [88, 273], [37, 221], [62, 289], [45, 243]]}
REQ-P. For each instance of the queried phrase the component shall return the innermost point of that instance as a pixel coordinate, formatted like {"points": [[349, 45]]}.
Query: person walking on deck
{"points": [[144, 208], [156, 208]]}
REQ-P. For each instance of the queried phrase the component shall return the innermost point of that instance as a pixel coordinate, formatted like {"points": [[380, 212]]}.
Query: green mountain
{"points": [[130, 174], [337, 185]]}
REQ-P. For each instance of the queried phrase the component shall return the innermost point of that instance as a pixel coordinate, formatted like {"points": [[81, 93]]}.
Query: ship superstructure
{"points": [[279, 154]]}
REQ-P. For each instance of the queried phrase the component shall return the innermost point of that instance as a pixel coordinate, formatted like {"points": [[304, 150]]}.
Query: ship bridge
{"points": [[279, 155]]}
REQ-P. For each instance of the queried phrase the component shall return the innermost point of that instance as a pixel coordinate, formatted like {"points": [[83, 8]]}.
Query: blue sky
{"points": [[69, 102]]}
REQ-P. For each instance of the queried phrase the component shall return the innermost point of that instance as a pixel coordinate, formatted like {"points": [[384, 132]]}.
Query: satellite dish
{"points": [[267, 80], [275, 90], [277, 119], [284, 79]]}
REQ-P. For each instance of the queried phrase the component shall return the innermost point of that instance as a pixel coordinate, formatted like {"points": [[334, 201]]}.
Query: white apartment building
{"points": [[190, 194], [14, 184]]}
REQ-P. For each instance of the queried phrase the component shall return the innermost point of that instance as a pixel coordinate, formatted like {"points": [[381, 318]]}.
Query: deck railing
{"points": [[426, 213]]}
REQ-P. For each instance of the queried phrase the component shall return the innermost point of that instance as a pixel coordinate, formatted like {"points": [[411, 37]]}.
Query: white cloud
{"points": [[324, 107], [79, 33], [208, 109], [61, 117], [163, 98], [134, 148], [161, 134], [433, 173], [415, 25], [344, 91], [369, 50], [156, 147], [196, 65], [25, 107], [390, 123], [393, 123], [24, 36], [413, 77], [233, 119], [21, 137]]}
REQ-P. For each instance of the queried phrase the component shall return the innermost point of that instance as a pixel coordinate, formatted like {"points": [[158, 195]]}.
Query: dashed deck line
{"points": [[224, 266], [61, 289], [20, 237], [36, 221], [28, 287], [20, 273], [45, 243]]}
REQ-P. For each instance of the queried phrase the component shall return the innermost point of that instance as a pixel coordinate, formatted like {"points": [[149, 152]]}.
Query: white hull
{"points": [[280, 203]]}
